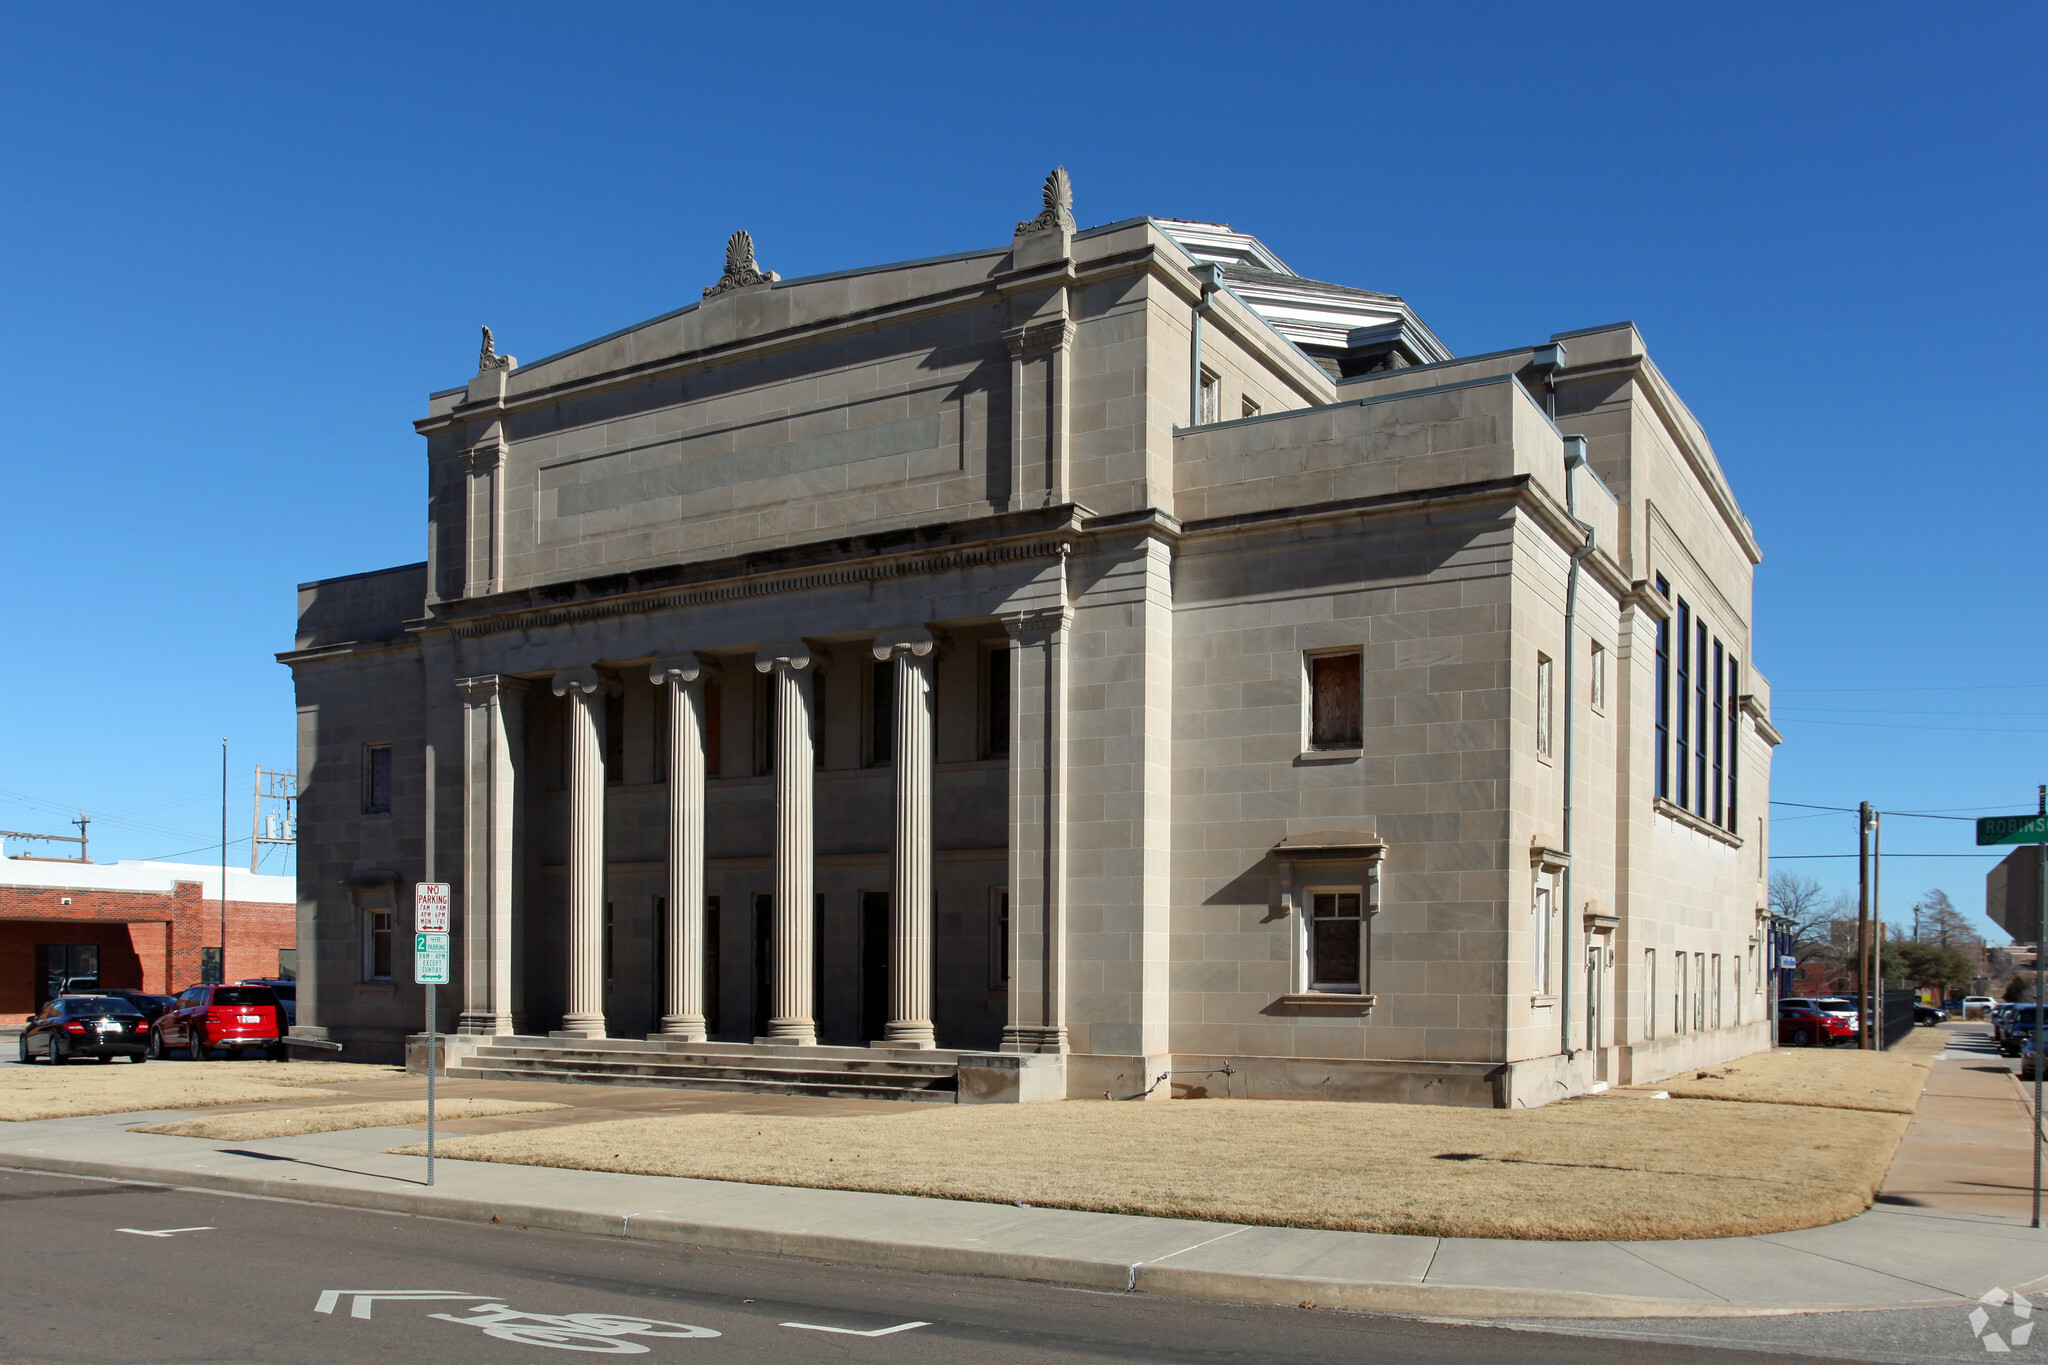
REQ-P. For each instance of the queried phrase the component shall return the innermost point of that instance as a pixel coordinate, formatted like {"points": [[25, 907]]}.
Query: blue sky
{"points": [[239, 245]]}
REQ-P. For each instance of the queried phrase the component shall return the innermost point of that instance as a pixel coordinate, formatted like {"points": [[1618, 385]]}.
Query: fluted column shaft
{"points": [[683, 679], [792, 673], [584, 1017], [910, 900], [491, 729]]}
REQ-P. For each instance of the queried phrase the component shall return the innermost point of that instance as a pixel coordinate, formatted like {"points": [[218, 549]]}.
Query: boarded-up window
{"points": [[377, 779], [1338, 946], [1333, 681]]}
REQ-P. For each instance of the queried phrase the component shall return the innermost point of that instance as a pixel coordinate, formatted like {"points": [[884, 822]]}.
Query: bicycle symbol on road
{"points": [[602, 1333]]}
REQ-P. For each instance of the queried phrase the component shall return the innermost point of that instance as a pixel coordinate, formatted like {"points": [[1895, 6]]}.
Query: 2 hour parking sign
{"points": [[430, 959]]}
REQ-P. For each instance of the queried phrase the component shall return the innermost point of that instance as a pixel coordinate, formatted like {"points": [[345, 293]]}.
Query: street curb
{"points": [[1389, 1297]]}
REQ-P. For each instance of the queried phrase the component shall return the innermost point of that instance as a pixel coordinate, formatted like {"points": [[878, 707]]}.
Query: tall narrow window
{"points": [[1543, 705], [1735, 966], [1335, 701], [1717, 991], [882, 715], [1206, 409], [1678, 998], [1684, 748], [1248, 406], [1650, 993], [376, 945], [1540, 952], [614, 737], [1337, 945], [1720, 714], [1699, 723], [1596, 685], [377, 779], [999, 938], [1664, 697], [1734, 737], [997, 742]]}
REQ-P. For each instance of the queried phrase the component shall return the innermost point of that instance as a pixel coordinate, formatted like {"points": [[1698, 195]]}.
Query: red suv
{"points": [[1802, 1025], [223, 1018]]}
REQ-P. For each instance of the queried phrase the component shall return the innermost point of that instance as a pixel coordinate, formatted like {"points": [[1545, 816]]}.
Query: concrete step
{"points": [[838, 1088], [690, 1063]]}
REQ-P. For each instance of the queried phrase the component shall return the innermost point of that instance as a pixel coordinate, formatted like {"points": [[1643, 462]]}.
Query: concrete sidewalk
{"points": [[1930, 1251]]}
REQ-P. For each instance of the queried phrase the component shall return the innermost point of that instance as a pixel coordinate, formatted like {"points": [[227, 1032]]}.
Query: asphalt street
{"points": [[103, 1272]]}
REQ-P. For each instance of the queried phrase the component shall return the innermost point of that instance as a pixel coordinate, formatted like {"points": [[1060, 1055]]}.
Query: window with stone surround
{"points": [[1596, 684], [1649, 993], [1663, 764], [1248, 406], [1540, 949], [1338, 950], [376, 779], [1543, 705], [1336, 700], [1206, 411], [1678, 997]]}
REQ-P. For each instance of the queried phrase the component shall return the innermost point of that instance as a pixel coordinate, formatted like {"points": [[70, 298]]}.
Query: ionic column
{"points": [[792, 672], [910, 898], [492, 726], [683, 677], [584, 1017]]}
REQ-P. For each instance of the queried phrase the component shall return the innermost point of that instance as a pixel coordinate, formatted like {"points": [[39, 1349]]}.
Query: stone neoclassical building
{"points": [[1042, 668]]}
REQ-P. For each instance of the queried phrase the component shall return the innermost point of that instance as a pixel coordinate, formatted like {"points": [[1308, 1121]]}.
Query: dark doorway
{"points": [[764, 963], [874, 966], [712, 1021]]}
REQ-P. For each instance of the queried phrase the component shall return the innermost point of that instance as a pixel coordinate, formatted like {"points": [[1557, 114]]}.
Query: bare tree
{"points": [[1812, 912], [1940, 923]]}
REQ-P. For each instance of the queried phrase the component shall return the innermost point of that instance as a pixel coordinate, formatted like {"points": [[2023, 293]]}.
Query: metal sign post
{"points": [[430, 969], [2024, 829]]}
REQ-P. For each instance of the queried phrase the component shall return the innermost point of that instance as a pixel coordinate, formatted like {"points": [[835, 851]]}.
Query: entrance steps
{"points": [[846, 1073]]}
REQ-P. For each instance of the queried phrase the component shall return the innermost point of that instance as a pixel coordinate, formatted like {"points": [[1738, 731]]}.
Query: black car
{"points": [[1929, 1014], [150, 1005], [102, 1026]]}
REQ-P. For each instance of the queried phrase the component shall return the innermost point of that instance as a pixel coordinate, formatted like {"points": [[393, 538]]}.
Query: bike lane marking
{"points": [[363, 1298], [855, 1331]]}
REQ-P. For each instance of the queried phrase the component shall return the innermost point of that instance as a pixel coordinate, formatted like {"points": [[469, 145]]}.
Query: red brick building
{"points": [[146, 926]]}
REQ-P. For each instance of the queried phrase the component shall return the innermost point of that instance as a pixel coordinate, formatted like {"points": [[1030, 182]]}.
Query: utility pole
{"points": [[1877, 931], [82, 821], [2040, 944], [1863, 925], [279, 787]]}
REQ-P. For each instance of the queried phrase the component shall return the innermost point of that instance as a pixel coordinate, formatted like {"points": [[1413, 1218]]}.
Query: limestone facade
{"points": [[1108, 645]]}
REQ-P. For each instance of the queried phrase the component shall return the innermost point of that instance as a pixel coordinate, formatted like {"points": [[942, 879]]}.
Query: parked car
{"points": [[101, 1026], [2027, 1058], [223, 1019], [150, 1005], [286, 990], [1827, 1004], [1800, 1024], [1977, 1006], [1929, 1014], [2017, 1027]]}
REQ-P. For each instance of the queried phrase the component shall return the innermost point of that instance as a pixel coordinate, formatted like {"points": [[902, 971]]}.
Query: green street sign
{"points": [[430, 959], [2012, 829]]}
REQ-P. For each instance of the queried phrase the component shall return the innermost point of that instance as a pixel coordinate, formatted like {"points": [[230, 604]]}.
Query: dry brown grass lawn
{"points": [[1831, 1078], [54, 1092], [333, 1118], [1582, 1169]]}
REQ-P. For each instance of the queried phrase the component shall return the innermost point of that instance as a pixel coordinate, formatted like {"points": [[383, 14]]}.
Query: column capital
{"points": [[584, 680], [919, 641], [487, 685], [794, 655], [682, 667], [1044, 621]]}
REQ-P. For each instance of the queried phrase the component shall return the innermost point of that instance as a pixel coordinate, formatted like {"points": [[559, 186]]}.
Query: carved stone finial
{"points": [[1059, 205], [741, 269], [489, 359]]}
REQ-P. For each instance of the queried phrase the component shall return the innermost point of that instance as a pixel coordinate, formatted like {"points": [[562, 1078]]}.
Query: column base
{"points": [[580, 1026], [909, 1033], [688, 1027], [791, 1032], [484, 1023], [1034, 1038]]}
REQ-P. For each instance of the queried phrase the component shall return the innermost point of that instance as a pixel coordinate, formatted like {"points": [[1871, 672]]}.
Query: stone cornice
{"points": [[1754, 709]]}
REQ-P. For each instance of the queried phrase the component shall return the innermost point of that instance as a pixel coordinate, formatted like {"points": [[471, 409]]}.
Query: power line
{"points": [[1787, 857], [1904, 711], [1938, 729], [1963, 687]]}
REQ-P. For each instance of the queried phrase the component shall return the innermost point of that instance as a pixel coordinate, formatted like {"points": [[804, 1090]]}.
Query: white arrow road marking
{"points": [[363, 1298], [161, 1232], [856, 1332]]}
